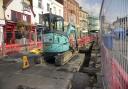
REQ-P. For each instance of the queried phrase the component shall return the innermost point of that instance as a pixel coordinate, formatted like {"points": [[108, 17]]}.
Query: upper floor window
{"points": [[48, 7], [54, 10], [40, 3], [13, 16], [18, 16], [60, 12], [40, 19]]}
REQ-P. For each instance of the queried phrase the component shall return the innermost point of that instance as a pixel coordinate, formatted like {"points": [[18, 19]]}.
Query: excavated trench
{"points": [[89, 76]]}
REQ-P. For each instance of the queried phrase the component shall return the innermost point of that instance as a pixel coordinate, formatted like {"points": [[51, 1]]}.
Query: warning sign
{"points": [[25, 63]]}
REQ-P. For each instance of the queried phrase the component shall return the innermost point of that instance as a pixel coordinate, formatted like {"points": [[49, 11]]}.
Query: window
{"points": [[60, 12], [28, 18], [57, 24], [9, 37], [40, 18], [48, 7], [40, 3], [18, 35], [54, 10], [13, 16], [39, 34], [18, 16]]}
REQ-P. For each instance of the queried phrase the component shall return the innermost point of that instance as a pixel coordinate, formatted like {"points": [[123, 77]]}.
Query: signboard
{"points": [[2, 22]]}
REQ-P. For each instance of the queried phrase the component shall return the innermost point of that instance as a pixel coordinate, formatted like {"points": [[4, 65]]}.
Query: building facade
{"points": [[53, 6], [83, 21], [22, 16], [93, 23], [71, 12], [21, 10], [121, 22], [38, 10]]}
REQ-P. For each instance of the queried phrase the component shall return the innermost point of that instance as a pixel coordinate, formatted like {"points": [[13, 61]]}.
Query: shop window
{"points": [[9, 37], [39, 32], [39, 36], [33, 36], [18, 35]]}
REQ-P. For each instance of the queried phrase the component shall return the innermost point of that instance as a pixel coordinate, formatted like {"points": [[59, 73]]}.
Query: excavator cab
{"points": [[53, 22]]}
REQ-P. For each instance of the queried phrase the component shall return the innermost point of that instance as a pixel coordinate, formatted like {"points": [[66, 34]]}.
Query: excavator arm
{"points": [[73, 40]]}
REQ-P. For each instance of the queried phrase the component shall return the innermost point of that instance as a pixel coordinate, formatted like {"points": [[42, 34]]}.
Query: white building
{"points": [[2, 21], [56, 7], [19, 16], [43, 6], [38, 9], [19, 9]]}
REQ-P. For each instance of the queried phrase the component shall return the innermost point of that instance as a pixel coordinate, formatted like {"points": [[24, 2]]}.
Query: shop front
{"points": [[19, 36]]}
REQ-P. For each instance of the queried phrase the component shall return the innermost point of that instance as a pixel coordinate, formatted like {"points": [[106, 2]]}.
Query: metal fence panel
{"points": [[114, 43]]}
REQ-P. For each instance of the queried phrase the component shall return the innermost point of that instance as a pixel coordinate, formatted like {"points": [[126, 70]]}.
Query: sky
{"points": [[91, 6]]}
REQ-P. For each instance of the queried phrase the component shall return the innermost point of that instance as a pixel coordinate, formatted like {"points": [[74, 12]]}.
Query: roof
{"points": [[83, 10]]}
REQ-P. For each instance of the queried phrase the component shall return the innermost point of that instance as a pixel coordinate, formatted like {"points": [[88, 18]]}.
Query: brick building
{"points": [[71, 12], [83, 17]]}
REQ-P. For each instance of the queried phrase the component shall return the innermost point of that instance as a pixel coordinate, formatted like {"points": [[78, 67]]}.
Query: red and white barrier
{"points": [[16, 48]]}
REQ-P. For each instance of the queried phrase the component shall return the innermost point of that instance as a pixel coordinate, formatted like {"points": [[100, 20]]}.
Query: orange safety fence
{"points": [[12, 49], [16, 48], [35, 45], [85, 40]]}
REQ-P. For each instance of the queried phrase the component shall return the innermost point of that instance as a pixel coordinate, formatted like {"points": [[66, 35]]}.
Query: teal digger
{"points": [[59, 44]]}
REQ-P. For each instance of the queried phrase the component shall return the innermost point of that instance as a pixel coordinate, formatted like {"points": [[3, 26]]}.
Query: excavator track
{"points": [[63, 58]]}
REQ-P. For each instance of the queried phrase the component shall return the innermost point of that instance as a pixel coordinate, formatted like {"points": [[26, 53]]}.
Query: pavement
{"points": [[37, 77], [41, 76]]}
